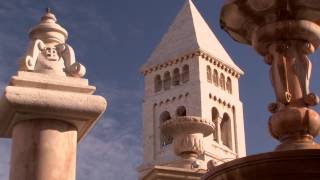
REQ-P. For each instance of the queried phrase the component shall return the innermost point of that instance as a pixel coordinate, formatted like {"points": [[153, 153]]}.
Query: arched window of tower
{"points": [[157, 83], [176, 77], [215, 116], [222, 82], [185, 73], [181, 111], [166, 81], [165, 139], [229, 85], [215, 78], [209, 74], [225, 128], [165, 116]]}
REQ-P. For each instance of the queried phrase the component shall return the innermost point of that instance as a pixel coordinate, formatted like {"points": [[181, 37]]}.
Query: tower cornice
{"points": [[196, 53]]}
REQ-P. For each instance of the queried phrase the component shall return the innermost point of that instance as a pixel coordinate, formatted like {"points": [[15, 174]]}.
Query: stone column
{"points": [[43, 149], [233, 135], [48, 107], [218, 129], [284, 33]]}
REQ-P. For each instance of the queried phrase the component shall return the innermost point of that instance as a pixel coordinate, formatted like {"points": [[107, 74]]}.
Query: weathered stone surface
{"points": [[34, 95], [43, 149], [285, 33], [293, 165], [167, 173]]}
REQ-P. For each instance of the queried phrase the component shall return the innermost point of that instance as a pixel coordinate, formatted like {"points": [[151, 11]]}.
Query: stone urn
{"points": [[188, 133]]}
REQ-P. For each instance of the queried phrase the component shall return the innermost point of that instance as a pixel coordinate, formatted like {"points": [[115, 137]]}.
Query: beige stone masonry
{"points": [[199, 53], [33, 96], [165, 172], [190, 76]]}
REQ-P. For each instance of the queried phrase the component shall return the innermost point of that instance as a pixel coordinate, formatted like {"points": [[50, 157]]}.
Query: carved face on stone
{"points": [[51, 53]]}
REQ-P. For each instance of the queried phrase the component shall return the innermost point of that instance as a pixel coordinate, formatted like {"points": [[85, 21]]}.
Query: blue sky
{"points": [[113, 39]]}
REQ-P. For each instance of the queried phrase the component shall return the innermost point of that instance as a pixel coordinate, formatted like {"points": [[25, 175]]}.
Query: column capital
{"points": [[39, 96]]}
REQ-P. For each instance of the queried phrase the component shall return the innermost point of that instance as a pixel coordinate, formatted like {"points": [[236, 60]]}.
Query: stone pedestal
{"points": [[48, 107], [46, 116]]}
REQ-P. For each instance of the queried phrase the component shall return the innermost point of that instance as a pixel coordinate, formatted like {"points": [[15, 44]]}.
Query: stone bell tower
{"points": [[192, 111]]}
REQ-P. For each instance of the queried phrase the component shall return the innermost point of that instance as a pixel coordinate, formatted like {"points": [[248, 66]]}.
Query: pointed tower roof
{"points": [[189, 32]]}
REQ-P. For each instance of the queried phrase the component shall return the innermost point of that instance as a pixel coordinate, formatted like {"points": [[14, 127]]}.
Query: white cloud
{"points": [[113, 150], [102, 157], [4, 158], [91, 20]]}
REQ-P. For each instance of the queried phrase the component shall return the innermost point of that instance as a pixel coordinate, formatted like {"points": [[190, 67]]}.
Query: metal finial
{"points": [[48, 10]]}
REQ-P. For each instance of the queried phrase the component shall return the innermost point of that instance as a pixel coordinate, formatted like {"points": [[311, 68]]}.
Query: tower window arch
{"points": [[209, 74], [176, 77], [165, 139], [222, 82], [157, 83], [165, 116], [185, 73], [167, 80], [181, 111], [225, 128], [229, 85], [215, 116], [215, 77]]}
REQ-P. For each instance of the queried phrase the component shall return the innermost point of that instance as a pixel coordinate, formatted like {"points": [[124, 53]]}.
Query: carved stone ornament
{"points": [[48, 53], [188, 133], [47, 108], [285, 33], [48, 84]]}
